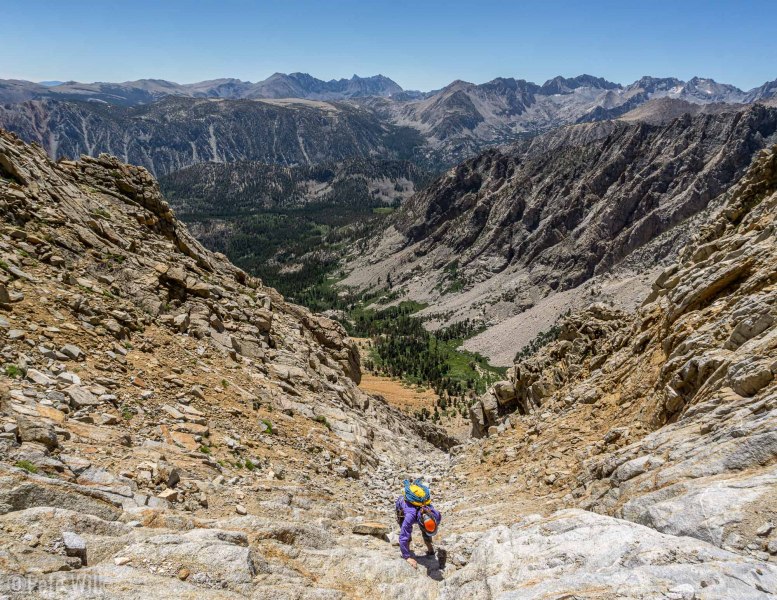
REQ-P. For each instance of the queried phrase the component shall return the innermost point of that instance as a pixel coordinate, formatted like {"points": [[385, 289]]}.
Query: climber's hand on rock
{"points": [[412, 562]]}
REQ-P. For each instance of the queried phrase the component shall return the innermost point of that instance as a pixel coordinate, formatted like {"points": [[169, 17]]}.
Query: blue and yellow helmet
{"points": [[417, 493]]}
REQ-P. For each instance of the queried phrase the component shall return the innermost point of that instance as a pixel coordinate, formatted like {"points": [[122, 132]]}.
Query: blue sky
{"points": [[420, 44]]}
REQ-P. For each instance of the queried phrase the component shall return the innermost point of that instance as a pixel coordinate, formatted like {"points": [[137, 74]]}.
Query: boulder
{"points": [[166, 474], [73, 352], [37, 430], [74, 545], [749, 376], [505, 393], [80, 397], [169, 495], [223, 558], [34, 491], [378, 530], [40, 378]]}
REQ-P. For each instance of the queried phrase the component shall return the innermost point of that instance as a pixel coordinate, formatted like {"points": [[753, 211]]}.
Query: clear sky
{"points": [[420, 44]]}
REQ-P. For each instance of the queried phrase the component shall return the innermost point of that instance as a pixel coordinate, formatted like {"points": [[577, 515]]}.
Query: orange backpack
{"points": [[427, 521]]}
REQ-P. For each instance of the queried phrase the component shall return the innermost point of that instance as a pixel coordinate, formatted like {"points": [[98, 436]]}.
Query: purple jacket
{"points": [[409, 515]]}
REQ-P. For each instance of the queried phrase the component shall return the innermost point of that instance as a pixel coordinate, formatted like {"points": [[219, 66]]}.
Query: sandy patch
{"points": [[398, 394]]}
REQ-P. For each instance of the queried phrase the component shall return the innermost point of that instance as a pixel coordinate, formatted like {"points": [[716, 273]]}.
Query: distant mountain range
{"points": [[145, 91], [175, 133], [166, 126], [302, 85]]}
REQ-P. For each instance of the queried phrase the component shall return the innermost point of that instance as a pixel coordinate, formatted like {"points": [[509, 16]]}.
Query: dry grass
{"points": [[398, 394]]}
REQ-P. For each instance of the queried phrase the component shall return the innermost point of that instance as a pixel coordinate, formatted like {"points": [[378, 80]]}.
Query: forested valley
{"points": [[290, 225]]}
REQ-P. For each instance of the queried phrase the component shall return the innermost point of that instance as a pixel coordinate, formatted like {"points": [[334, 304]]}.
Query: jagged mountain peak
{"points": [[707, 89], [509, 84], [653, 84], [458, 84], [304, 85], [561, 85], [765, 92]]}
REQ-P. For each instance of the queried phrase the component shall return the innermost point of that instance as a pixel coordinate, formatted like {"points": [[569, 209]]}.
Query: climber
{"points": [[415, 506]]}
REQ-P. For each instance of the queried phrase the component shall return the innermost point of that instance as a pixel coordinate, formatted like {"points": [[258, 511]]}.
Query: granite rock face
{"points": [[577, 553]]}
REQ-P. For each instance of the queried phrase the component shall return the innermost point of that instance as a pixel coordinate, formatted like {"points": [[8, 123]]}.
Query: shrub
{"points": [[13, 371], [322, 419], [26, 465]]}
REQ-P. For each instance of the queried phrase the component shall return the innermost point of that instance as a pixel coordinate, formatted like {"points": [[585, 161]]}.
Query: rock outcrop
{"points": [[591, 334], [665, 418]]}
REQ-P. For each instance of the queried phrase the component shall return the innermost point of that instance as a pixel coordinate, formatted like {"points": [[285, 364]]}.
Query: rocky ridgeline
{"points": [[176, 132], [666, 418], [297, 119], [586, 205]]}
